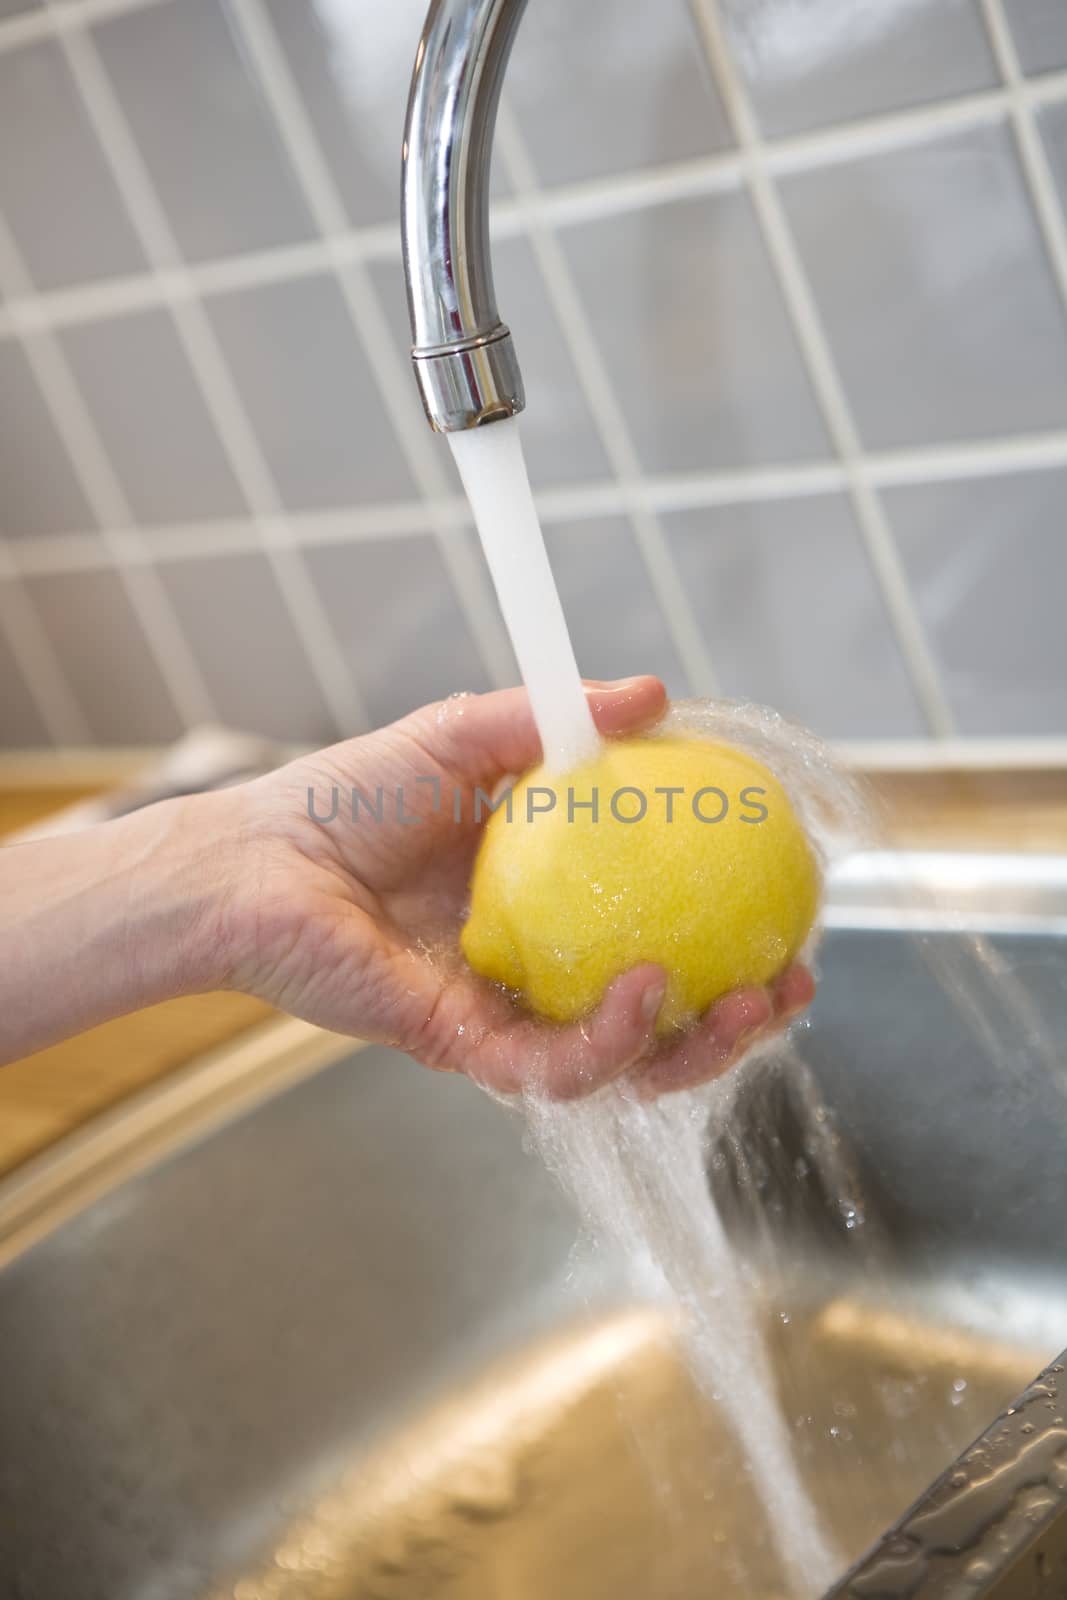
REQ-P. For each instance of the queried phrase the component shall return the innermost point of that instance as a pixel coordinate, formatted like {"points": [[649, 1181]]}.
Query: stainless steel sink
{"points": [[319, 1329]]}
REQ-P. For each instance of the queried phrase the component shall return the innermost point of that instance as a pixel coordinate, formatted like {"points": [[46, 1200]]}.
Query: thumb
{"points": [[486, 735]]}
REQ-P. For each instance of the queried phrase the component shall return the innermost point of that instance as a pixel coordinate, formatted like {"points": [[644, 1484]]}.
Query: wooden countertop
{"points": [[975, 809], [53, 1092]]}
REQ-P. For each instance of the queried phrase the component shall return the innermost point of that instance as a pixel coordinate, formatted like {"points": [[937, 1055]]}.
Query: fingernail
{"points": [[651, 1001]]}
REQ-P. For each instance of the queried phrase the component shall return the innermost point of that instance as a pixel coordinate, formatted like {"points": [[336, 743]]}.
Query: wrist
{"points": [[194, 855]]}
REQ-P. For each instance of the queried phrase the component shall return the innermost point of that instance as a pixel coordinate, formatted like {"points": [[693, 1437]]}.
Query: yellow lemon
{"points": [[673, 850]]}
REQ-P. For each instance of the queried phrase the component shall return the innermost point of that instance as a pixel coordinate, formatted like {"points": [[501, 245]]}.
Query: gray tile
{"points": [[394, 610], [792, 614], [352, 64], [929, 270], [695, 336], [40, 493], [1052, 121], [146, 405], [1040, 29], [310, 393], [830, 62], [56, 190], [558, 433], [20, 722], [387, 278], [233, 614], [987, 561], [601, 88], [206, 135], [104, 653], [615, 621]]}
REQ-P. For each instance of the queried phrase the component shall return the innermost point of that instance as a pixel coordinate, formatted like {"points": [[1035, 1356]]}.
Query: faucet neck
{"points": [[463, 355]]}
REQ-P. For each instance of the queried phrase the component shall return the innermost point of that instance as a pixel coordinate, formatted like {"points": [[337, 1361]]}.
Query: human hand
{"points": [[354, 924]]}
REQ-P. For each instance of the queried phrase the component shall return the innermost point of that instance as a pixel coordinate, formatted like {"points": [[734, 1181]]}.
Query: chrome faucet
{"points": [[464, 356]]}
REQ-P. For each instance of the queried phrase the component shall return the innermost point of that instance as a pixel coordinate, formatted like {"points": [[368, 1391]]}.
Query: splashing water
{"points": [[491, 464], [638, 1175], [636, 1171]]}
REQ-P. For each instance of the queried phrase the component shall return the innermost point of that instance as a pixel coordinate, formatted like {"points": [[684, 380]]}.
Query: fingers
{"points": [[486, 735], [794, 991], [502, 1050], [568, 1063], [706, 1051], [725, 1032]]}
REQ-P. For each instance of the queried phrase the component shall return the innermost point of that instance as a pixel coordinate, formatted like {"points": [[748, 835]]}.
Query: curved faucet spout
{"points": [[464, 357]]}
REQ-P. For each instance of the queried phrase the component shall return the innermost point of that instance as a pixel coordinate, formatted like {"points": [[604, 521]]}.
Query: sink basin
{"points": [[329, 1336]]}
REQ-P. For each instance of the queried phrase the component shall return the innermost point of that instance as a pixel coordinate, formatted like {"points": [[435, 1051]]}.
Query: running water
{"points": [[637, 1172], [493, 469]]}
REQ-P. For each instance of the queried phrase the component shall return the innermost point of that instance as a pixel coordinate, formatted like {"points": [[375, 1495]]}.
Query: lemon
{"points": [[673, 850]]}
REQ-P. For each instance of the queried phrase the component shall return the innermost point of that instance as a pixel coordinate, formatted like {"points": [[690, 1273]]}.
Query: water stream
{"points": [[491, 464]]}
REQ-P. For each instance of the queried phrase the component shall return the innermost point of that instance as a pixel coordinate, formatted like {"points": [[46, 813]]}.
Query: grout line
{"points": [[87, 552], [134, 292], [890, 130], [93, 470], [396, 389], [663, 493], [607, 414], [692, 490], [55, 16], [982, 458], [815, 347], [589, 199], [40, 667], [224, 405], [1036, 169]]}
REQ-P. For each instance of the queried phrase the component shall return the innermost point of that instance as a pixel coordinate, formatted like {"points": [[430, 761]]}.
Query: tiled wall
{"points": [[789, 284]]}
